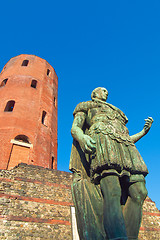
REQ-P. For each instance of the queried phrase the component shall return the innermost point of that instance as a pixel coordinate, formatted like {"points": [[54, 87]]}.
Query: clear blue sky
{"points": [[114, 44]]}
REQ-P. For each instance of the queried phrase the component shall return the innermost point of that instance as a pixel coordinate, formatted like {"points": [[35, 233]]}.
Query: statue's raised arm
{"points": [[144, 131]]}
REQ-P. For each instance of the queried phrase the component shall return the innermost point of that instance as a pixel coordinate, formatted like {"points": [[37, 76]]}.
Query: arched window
{"points": [[48, 72], [22, 138], [3, 83], [44, 119], [9, 106], [25, 62], [34, 84]]}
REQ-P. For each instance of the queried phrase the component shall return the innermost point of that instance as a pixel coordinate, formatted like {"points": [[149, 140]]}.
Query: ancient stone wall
{"points": [[35, 204]]}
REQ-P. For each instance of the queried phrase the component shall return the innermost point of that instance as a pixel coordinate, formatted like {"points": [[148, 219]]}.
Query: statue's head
{"points": [[100, 93]]}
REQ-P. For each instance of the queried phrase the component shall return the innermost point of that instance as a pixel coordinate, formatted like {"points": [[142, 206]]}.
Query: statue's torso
{"points": [[110, 121], [115, 150]]}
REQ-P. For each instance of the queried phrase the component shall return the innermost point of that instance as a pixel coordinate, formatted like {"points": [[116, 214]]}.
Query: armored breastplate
{"points": [[108, 121]]}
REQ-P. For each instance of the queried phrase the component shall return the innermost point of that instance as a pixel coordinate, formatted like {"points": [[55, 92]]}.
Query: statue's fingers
{"points": [[88, 146], [89, 139], [91, 146], [93, 141], [150, 118], [147, 122], [89, 142], [88, 150]]}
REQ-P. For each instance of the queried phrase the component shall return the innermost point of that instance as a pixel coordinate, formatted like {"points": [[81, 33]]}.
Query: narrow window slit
{"points": [[44, 118], [34, 84], [54, 102], [48, 72], [25, 63], [3, 83], [52, 163], [9, 106]]}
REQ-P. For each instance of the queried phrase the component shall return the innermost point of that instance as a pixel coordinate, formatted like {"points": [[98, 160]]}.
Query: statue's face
{"points": [[101, 94]]}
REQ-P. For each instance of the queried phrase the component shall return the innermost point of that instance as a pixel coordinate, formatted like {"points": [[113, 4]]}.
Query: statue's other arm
{"points": [[145, 130], [86, 143]]}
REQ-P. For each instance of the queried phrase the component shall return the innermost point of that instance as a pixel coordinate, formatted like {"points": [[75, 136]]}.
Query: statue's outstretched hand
{"points": [[148, 124], [87, 144]]}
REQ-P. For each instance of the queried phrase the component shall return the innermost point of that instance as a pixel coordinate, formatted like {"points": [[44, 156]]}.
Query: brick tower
{"points": [[28, 113]]}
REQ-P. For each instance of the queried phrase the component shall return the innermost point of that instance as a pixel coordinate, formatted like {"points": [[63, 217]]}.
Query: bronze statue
{"points": [[108, 171]]}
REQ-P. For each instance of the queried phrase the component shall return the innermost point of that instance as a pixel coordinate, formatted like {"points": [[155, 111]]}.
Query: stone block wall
{"points": [[35, 204]]}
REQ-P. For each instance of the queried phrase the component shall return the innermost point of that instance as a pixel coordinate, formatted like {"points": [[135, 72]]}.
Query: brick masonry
{"points": [[33, 119], [35, 204]]}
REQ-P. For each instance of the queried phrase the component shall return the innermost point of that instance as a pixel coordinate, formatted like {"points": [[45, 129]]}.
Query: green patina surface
{"points": [[108, 184]]}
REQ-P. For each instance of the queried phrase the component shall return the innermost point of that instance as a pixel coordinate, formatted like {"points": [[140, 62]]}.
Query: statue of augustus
{"points": [[108, 172]]}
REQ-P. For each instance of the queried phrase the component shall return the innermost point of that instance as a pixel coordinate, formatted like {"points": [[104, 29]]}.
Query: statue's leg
{"points": [[133, 209], [113, 218]]}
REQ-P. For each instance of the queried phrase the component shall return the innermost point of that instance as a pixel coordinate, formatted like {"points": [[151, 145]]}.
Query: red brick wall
{"points": [[25, 119]]}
